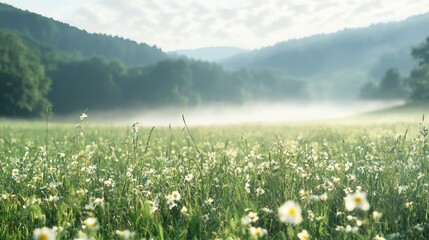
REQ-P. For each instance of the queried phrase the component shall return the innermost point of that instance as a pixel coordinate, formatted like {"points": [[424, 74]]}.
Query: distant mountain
{"points": [[71, 39], [212, 54], [338, 64]]}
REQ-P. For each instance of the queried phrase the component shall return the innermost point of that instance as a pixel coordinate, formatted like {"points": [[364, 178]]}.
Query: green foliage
{"points": [[84, 84], [419, 83], [421, 53], [392, 86], [71, 39], [23, 84], [419, 76]]}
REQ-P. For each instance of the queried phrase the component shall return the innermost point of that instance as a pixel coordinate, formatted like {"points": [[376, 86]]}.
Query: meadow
{"points": [[326, 180]]}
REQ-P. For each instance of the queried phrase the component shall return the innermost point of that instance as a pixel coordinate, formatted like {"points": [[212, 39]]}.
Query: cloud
{"points": [[176, 24]]}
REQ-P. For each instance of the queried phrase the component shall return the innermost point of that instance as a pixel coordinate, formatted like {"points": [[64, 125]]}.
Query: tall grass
{"points": [[105, 182]]}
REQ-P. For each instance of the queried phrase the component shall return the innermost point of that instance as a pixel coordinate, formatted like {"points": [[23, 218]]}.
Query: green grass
{"points": [[61, 177]]}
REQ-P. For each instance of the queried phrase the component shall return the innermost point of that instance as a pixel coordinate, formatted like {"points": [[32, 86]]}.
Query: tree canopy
{"points": [[23, 83]]}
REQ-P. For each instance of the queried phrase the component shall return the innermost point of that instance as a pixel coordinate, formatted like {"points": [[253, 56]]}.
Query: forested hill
{"points": [[372, 49], [71, 39]]}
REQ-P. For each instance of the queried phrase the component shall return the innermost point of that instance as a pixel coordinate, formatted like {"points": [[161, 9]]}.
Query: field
{"points": [[342, 180]]}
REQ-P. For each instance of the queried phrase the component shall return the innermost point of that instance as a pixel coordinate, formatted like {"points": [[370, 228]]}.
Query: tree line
{"points": [[34, 76]]}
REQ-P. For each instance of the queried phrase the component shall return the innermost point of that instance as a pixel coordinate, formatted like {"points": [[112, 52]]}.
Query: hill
{"points": [[71, 39], [338, 64]]}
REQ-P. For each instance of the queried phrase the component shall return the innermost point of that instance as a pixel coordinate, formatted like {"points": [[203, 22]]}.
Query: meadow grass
{"points": [[324, 180]]}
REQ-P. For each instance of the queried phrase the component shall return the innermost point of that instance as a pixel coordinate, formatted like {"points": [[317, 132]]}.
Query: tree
{"points": [[23, 84], [391, 87], [91, 83], [419, 76], [421, 53], [419, 83]]}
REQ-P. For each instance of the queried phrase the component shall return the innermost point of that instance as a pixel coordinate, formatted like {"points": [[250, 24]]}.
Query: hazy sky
{"points": [[184, 24]]}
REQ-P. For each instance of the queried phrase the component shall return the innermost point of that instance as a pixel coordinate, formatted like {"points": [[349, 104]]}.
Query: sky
{"points": [[248, 24]]}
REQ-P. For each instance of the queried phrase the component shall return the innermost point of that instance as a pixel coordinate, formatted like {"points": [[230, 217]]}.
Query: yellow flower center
{"points": [[358, 200], [43, 236], [291, 212]]}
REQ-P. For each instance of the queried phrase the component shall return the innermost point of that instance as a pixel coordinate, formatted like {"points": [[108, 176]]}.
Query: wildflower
{"points": [[175, 196], [208, 201], [357, 200], [323, 197], [310, 215], [52, 198], [303, 235], [259, 191], [377, 216], [57, 229], [108, 182], [153, 206], [91, 223], [206, 217], [81, 192], [290, 212], [81, 236], [328, 185], [266, 210], [377, 237], [304, 194], [171, 203], [257, 232], [15, 172], [409, 204], [351, 229], [83, 117], [189, 177], [253, 216], [126, 234], [184, 210], [44, 234], [247, 187], [336, 180], [99, 201]]}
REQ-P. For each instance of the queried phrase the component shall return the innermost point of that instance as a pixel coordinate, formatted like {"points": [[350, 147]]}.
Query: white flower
{"points": [[377, 237], [351, 229], [290, 212], [83, 117], [259, 191], [171, 203], [126, 234], [303, 235], [206, 217], [253, 217], [175, 195], [257, 232], [44, 234], [189, 177], [91, 223], [99, 201], [208, 201], [184, 210], [357, 200], [323, 197], [328, 185], [377, 216]]}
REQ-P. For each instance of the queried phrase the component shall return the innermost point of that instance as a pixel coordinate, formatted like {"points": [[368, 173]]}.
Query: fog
{"points": [[245, 114]]}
